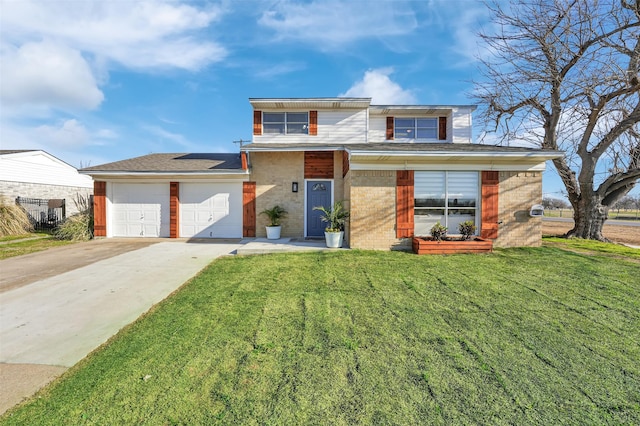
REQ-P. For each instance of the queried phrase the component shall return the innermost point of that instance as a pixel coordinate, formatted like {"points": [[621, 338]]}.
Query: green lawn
{"points": [[521, 336], [12, 246]]}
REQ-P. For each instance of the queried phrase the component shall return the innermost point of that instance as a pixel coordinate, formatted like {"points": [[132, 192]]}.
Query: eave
{"points": [[309, 103]]}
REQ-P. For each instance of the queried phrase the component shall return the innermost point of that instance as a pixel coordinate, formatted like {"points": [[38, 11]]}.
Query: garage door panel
{"points": [[140, 210], [211, 210]]}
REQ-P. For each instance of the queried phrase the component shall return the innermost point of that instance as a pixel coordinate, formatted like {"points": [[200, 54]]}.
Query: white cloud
{"points": [[47, 73], [175, 138], [134, 34], [377, 85], [331, 24], [68, 134]]}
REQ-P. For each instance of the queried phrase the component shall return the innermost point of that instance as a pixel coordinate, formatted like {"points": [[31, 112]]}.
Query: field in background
{"points": [[613, 214]]}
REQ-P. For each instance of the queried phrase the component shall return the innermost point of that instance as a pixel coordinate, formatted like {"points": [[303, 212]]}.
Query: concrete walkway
{"points": [[48, 325]]}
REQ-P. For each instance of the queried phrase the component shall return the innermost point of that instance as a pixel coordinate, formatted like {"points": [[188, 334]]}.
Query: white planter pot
{"points": [[273, 232], [334, 239]]}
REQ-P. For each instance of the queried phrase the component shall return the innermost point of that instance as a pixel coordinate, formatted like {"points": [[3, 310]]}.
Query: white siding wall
{"points": [[334, 126], [38, 167], [377, 128], [460, 126]]}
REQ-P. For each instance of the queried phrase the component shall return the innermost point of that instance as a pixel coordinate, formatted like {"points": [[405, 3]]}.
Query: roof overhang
{"points": [[418, 109], [123, 174], [310, 103], [284, 147], [449, 160]]}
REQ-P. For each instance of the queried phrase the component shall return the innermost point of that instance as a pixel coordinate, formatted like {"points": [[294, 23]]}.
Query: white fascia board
{"points": [[382, 155], [297, 148], [515, 167], [241, 175]]}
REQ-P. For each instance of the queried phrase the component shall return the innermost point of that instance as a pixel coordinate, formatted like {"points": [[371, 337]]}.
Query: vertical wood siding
{"points": [[318, 164], [313, 123], [489, 216], [99, 209], [345, 163], [442, 128], [248, 209], [404, 203], [245, 162], [174, 209], [257, 122], [390, 123]]}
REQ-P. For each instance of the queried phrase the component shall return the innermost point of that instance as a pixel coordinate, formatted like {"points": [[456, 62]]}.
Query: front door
{"points": [[318, 194]]}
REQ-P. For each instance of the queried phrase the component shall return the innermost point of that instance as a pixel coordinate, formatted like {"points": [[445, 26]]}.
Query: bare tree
{"points": [[564, 74]]}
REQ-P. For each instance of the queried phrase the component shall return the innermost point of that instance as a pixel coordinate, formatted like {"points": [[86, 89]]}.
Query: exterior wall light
{"points": [[294, 186]]}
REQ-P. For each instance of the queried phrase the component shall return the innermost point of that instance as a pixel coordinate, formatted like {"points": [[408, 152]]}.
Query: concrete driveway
{"points": [[48, 325]]}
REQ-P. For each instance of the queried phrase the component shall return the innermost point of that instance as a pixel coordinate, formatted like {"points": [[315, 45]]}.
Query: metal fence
{"points": [[44, 214]]}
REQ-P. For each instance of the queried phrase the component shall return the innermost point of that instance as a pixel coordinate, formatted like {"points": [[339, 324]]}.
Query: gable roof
{"points": [[175, 163], [14, 151]]}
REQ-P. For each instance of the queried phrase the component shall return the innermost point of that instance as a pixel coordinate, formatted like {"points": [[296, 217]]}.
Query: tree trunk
{"points": [[589, 217]]}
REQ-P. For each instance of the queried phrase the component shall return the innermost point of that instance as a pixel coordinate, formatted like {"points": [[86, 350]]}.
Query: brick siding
{"points": [[11, 190], [518, 191]]}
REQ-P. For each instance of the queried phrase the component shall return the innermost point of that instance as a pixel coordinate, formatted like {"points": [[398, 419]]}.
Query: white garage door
{"points": [[141, 210], [211, 210]]}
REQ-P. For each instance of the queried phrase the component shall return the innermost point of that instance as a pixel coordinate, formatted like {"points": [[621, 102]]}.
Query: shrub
{"points": [[438, 232], [467, 229], [78, 227], [13, 219], [275, 215]]}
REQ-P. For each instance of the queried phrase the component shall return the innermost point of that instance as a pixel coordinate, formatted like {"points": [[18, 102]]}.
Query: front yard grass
{"points": [[520, 336], [12, 246]]}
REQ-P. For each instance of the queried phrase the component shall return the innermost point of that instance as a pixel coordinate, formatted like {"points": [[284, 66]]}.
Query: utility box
{"points": [[537, 210]]}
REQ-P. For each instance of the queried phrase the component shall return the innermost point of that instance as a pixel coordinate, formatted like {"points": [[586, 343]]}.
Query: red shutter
{"points": [[490, 187], [345, 163], [99, 209], [404, 203], [174, 209], [313, 123], [389, 128], [248, 209], [257, 122], [442, 128], [245, 163], [318, 164]]}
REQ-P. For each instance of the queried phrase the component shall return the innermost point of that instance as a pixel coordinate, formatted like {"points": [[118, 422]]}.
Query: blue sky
{"points": [[93, 81]]}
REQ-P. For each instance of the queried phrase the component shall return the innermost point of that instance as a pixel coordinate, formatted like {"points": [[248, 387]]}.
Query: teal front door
{"points": [[318, 193]]}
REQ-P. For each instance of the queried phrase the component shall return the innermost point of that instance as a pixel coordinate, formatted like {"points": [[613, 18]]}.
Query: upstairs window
{"points": [[416, 128], [285, 123]]}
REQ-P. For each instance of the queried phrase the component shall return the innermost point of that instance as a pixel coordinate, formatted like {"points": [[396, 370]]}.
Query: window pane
{"points": [[426, 134], [297, 117], [405, 122], [426, 122], [457, 216], [273, 128], [429, 184], [424, 219], [273, 117], [462, 189], [297, 128]]}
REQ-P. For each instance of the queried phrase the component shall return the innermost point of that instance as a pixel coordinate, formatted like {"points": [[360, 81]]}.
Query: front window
{"points": [[446, 197], [416, 128], [286, 123]]}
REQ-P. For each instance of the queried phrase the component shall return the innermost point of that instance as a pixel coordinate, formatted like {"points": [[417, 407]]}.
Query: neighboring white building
{"points": [[38, 174]]}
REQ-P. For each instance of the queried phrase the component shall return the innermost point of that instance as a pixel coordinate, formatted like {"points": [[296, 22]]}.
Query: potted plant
{"points": [[275, 215], [467, 229], [335, 217]]}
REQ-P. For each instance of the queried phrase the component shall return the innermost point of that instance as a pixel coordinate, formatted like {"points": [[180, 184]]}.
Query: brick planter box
{"points": [[426, 245]]}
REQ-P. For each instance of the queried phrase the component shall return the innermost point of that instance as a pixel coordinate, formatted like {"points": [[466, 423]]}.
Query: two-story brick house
{"points": [[397, 168]]}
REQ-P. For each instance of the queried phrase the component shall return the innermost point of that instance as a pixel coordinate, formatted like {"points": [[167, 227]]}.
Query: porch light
{"points": [[294, 186]]}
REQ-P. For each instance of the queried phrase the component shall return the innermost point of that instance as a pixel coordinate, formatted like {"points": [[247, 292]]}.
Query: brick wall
{"points": [[373, 210], [519, 191], [11, 190], [273, 173]]}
